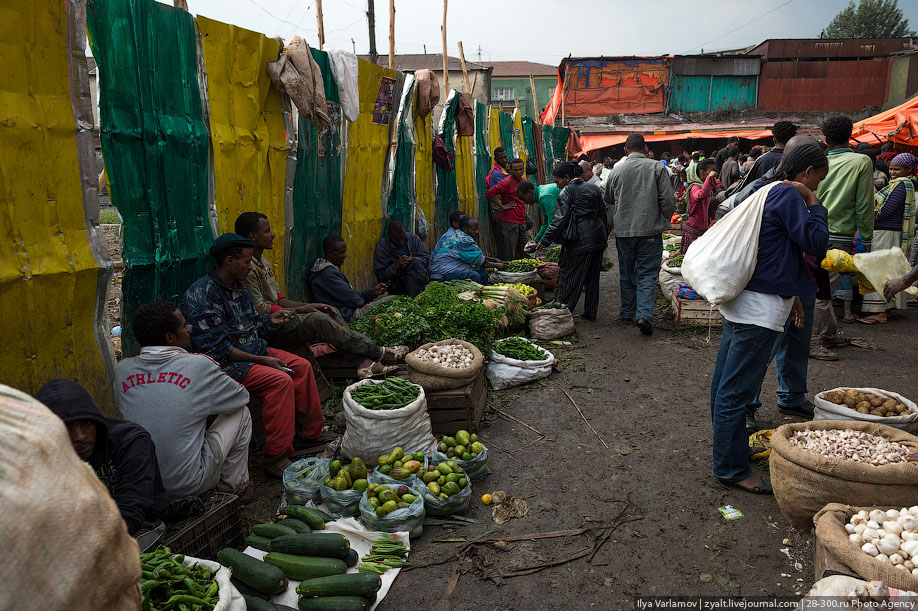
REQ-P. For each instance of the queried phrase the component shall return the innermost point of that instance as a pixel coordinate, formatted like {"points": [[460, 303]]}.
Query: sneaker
{"points": [[839, 341], [274, 466], [394, 354], [644, 326], [751, 425], [821, 353], [804, 410]]}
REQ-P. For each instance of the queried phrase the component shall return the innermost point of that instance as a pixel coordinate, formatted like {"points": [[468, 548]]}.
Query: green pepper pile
{"points": [[673, 247], [392, 393], [675, 261], [552, 255], [167, 584], [519, 349], [522, 265]]}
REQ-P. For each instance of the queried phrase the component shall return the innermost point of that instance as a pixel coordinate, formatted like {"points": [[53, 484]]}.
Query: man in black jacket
{"points": [[120, 452]]}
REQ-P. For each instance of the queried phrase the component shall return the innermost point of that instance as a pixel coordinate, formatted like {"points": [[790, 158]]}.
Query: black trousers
{"points": [[575, 272]]}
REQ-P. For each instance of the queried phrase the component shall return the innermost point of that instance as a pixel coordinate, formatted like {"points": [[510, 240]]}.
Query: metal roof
{"points": [[800, 48], [704, 65]]}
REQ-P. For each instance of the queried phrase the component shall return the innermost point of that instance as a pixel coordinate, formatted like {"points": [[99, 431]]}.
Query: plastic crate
{"points": [[203, 536]]}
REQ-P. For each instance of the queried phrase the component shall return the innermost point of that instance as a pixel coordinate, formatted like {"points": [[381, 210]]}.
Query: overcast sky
{"points": [[541, 31]]}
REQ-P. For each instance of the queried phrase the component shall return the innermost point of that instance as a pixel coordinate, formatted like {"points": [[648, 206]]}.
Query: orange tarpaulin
{"points": [[898, 125], [592, 142]]}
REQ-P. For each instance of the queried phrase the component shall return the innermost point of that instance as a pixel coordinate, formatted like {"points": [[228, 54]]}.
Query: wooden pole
{"points": [[182, 4], [321, 23], [371, 21], [474, 82], [535, 101], [445, 56], [465, 69], [392, 34]]}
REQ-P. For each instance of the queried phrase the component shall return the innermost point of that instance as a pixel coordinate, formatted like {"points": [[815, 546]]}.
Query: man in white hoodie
{"points": [[195, 413]]}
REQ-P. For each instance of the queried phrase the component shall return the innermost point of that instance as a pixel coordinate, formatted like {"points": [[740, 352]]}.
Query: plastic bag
{"points": [[370, 432], [669, 280], [303, 478], [410, 519], [454, 505], [504, 372], [720, 263], [881, 266], [531, 278], [607, 262], [345, 503], [476, 468], [376, 477], [551, 323], [838, 261]]}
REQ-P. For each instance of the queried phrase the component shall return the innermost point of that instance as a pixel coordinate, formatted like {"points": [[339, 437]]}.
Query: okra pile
{"points": [[167, 584], [393, 393], [387, 553]]}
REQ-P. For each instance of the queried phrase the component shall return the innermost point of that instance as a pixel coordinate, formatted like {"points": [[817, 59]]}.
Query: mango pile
{"points": [[384, 500], [462, 446], [444, 480], [398, 465], [352, 476]]}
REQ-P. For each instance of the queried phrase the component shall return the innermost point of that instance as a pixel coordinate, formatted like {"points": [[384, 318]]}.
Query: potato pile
{"points": [[867, 403]]}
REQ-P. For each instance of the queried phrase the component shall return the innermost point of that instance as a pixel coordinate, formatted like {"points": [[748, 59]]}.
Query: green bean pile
{"points": [[393, 393], [167, 584], [386, 553], [519, 349]]}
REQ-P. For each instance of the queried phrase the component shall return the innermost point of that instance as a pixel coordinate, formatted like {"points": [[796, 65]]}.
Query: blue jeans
{"points": [[742, 361], [639, 266], [792, 359], [478, 274]]}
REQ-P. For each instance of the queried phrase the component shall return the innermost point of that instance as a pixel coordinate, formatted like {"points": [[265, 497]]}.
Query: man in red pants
{"points": [[226, 327]]}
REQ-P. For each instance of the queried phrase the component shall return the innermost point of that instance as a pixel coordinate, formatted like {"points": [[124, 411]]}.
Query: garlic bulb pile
{"points": [[451, 356], [850, 445], [890, 536]]}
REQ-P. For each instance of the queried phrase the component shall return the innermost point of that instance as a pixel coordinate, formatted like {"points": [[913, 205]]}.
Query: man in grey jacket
{"points": [[641, 198]]}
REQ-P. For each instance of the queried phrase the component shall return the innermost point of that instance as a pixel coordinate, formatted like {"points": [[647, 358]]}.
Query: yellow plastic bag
{"points": [[838, 261], [880, 266], [761, 439]]}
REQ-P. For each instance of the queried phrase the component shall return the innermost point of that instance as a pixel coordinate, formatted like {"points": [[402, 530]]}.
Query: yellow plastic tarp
{"points": [[423, 167], [246, 130], [494, 131], [48, 273], [465, 175], [362, 210], [519, 145]]}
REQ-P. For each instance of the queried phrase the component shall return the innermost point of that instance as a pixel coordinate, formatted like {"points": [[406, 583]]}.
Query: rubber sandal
{"points": [[763, 488], [871, 321], [863, 344]]}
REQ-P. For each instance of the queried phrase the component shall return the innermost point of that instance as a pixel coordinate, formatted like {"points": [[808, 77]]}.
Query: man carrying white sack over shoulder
{"points": [[195, 413]]}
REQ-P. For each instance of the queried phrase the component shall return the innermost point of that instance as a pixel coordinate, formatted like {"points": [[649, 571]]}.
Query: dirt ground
{"points": [[647, 501]]}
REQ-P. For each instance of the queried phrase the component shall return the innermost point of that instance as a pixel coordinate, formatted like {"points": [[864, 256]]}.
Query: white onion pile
{"points": [[850, 445], [890, 536], [451, 356]]}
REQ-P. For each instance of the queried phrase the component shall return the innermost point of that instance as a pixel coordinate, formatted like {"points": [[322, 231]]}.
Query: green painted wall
{"points": [[520, 85], [712, 94]]}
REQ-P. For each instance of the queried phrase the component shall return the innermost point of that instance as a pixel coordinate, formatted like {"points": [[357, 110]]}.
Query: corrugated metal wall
{"points": [[53, 268], [712, 93], [821, 85]]}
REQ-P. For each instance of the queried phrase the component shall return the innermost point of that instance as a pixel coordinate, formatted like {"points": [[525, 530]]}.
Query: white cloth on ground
{"points": [[760, 309]]}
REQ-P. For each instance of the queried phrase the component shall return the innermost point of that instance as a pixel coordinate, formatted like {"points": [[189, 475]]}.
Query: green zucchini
{"points": [[248, 590], [253, 572], [297, 525], [285, 608], [311, 516], [349, 584], [272, 530], [262, 543], [257, 604], [333, 603], [305, 567], [351, 558], [323, 545], [324, 515]]}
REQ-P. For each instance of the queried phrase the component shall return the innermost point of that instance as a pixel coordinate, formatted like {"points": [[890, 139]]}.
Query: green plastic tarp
{"points": [[447, 188], [482, 167], [155, 145]]}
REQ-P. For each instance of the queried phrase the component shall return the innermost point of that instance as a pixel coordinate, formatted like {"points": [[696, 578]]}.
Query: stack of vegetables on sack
{"points": [[552, 255], [385, 499], [343, 486], [297, 519], [166, 583], [436, 314], [350, 592], [467, 450], [391, 393], [520, 349], [386, 553], [522, 265], [867, 403], [399, 465], [449, 489]]}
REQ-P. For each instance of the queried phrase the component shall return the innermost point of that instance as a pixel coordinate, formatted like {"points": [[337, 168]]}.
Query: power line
{"points": [[273, 16], [704, 44]]}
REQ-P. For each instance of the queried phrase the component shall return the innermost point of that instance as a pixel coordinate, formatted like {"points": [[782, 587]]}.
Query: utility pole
{"points": [[391, 34], [321, 23], [354, 46], [371, 18]]}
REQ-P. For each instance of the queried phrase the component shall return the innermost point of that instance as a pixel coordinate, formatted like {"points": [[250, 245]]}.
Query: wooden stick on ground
{"points": [[518, 421], [598, 436]]}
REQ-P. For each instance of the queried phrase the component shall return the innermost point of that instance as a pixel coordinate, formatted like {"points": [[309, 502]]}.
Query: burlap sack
{"points": [[551, 324], [64, 543], [805, 482], [830, 533], [548, 272], [432, 377]]}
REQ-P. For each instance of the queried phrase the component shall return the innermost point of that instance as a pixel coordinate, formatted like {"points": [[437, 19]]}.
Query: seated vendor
{"points": [[121, 453], [401, 261], [328, 284], [195, 413], [454, 217], [459, 257], [311, 323], [226, 327]]}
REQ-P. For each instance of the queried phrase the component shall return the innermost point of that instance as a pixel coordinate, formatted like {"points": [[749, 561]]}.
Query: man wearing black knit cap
{"points": [[782, 131], [120, 452]]}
